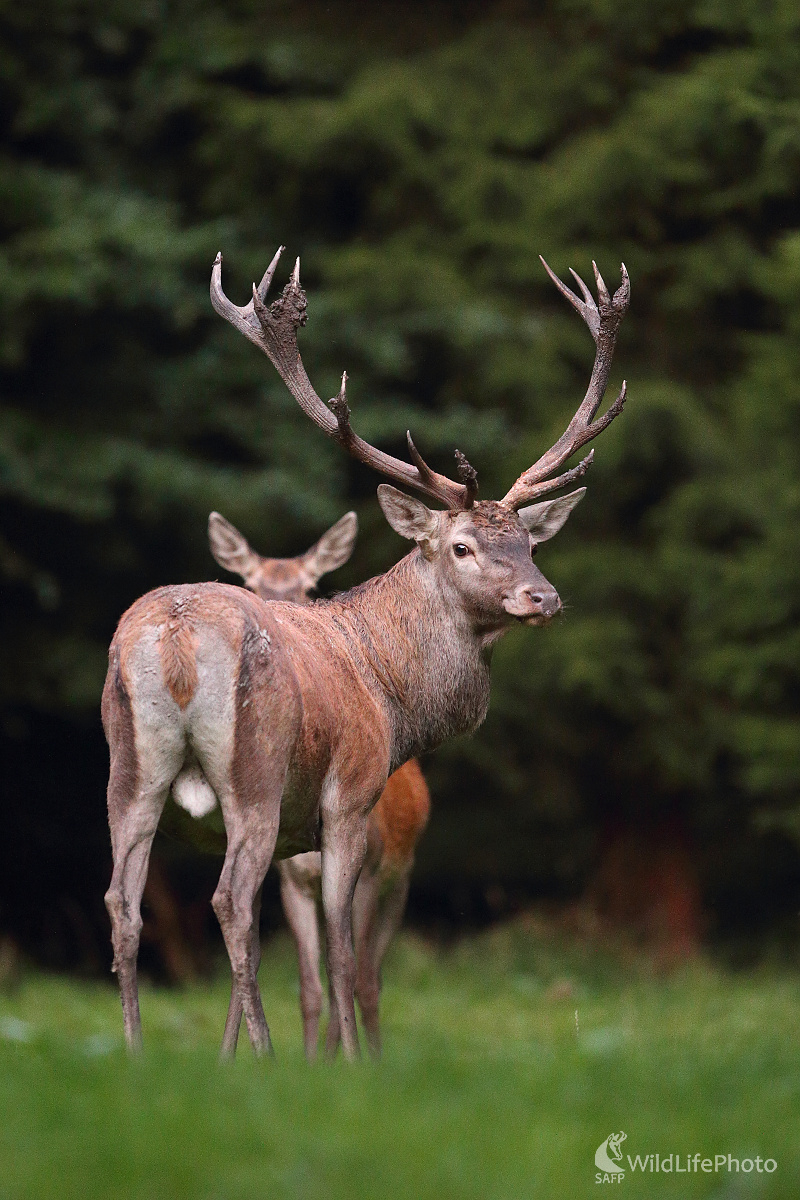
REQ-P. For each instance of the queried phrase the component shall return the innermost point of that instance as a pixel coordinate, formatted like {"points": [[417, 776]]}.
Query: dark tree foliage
{"points": [[418, 157]]}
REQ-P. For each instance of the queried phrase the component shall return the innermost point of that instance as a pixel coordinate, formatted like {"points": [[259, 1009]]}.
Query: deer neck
{"points": [[424, 659]]}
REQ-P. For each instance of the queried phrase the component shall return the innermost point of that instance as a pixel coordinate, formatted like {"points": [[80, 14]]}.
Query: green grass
{"points": [[486, 1088]]}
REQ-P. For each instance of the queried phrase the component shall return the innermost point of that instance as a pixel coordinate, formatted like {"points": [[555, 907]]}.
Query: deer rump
{"points": [[220, 687]]}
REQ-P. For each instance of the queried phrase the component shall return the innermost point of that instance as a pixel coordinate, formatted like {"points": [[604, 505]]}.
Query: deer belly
{"points": [[299, 829], [204, 832]]}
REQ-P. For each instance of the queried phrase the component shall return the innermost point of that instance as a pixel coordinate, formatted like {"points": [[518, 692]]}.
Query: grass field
{"points": [[486, 1089]]}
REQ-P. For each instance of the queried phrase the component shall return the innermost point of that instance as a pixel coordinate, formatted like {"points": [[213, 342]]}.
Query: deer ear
{"points": [[230, 548], [410, 518], [544, 520], [334, 547]]}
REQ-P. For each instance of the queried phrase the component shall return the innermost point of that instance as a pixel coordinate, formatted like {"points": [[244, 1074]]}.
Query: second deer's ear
{"points": [[229, 547], [410, 518], [334, 547]]}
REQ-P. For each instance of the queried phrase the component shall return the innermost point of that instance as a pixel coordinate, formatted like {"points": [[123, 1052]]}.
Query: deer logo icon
{"points": [[608, 1155]]}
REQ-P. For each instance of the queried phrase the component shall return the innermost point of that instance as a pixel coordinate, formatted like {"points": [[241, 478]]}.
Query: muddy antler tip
{"points": [[339, 406], [466, 472], [259, 307], [218, 259], [469, 478], [623, 293], [296, 273]]}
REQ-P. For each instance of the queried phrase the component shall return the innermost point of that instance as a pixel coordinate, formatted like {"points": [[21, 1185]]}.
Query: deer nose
{"points": [[549, 602], [533, 602]]}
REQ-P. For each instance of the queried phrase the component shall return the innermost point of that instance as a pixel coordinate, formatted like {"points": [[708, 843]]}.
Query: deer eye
{"points": [[460, 550], [534, 548]]}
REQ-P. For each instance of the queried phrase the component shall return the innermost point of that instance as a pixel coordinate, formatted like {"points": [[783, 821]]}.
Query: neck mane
{"points": [[423, 659]]}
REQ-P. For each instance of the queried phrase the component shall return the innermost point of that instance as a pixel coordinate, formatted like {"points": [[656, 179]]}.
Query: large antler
{"points": [[603, 319], [274, 330]]}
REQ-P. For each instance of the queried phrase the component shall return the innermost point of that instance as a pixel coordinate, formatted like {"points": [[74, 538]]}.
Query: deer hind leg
{"points": [[233, 1021], [378, 909], [133, 819], [300, 907], [251, 841], [251, 803]]}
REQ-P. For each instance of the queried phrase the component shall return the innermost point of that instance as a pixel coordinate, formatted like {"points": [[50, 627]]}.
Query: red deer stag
{"points": [[292, 717], [393, 827]]}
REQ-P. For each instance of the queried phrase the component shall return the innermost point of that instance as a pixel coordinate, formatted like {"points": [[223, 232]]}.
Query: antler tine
{"points": [[603, 318], [468, 475], [274, 330], [266, 280], [417, 459], [586, 308], [587, 295], [602, 290], [241, 317]]}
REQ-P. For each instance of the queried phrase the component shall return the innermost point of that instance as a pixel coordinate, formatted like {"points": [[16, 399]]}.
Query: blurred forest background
{"points": [[641, 760]]}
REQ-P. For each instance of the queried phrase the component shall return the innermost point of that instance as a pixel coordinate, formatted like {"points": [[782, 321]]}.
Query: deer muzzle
{"points": [[533, 604]]}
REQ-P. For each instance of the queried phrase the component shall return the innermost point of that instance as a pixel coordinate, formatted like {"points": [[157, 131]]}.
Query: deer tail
{"points": [[178, 662]]}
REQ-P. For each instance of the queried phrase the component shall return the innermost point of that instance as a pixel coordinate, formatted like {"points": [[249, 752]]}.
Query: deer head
{"points": [[282, 578], [484, 555], [481, 551]]}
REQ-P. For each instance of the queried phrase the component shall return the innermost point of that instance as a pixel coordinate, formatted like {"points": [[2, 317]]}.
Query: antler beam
{"points": [[603, 318], [274, 330]]}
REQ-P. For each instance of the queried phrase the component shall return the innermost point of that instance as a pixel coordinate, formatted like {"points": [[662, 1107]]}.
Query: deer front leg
{"points": [[300, 907], [344, 845], [332, 1033], [378, 909]]}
